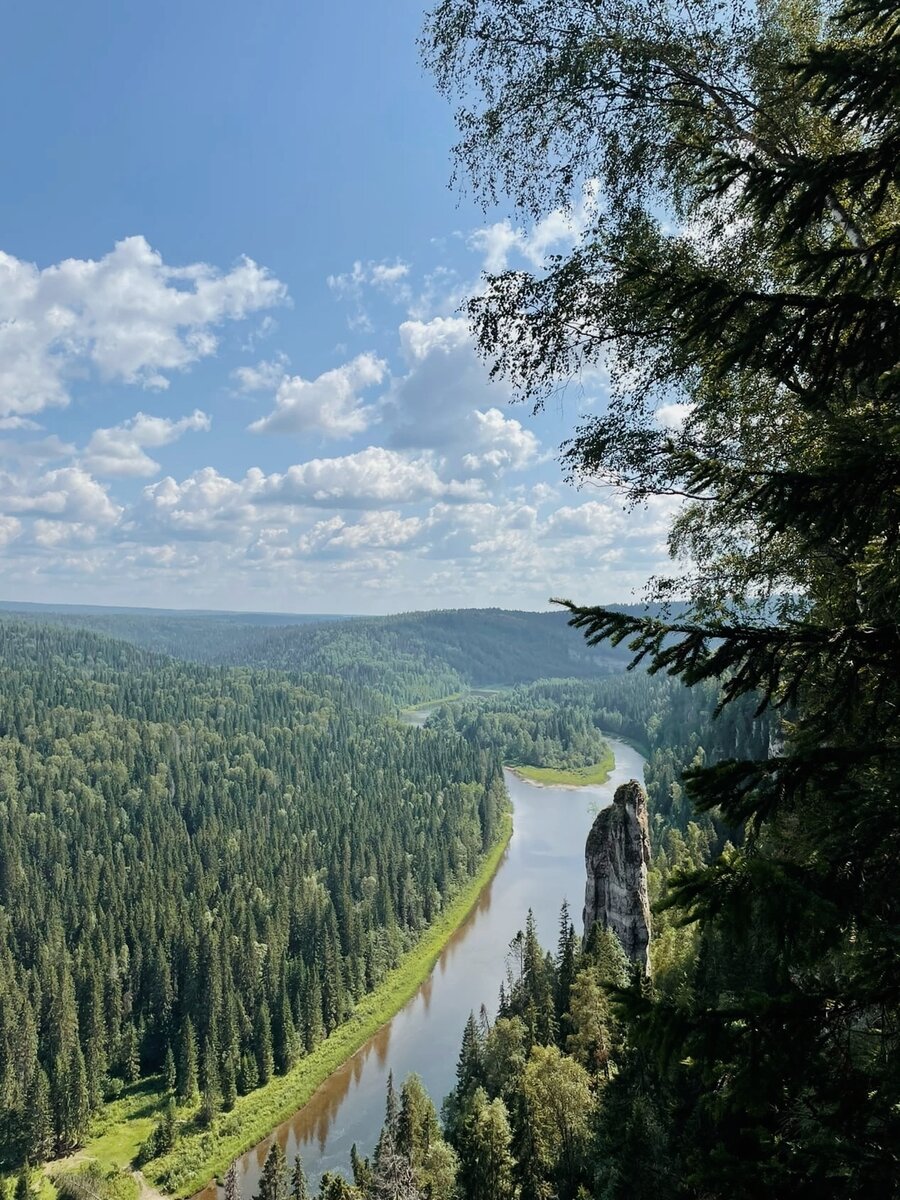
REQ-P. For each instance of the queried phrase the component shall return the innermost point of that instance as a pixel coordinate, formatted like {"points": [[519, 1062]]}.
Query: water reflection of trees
{"points": [[309, 1130]]}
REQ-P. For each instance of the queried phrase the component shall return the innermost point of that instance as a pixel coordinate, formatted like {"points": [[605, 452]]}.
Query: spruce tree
{"points": [[77, 1106], [164, 1134], [186, 1063], [38, 1117], [392, 1175], [335, 1187], [210, 1086], [565, 969], [284, 1035], [94, 1039], [24, 1189], [265, 1059], [273, 1182], [314, 1028], [361, 1169], [470, 1066], [229, 1084], [387, 1141], [170, 1076], [417, 1123], [131, 1060], [299, 1185], [491, 1175]]}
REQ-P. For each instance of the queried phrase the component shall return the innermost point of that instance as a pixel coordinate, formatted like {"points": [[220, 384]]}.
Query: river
{"points": [[543, 865]]}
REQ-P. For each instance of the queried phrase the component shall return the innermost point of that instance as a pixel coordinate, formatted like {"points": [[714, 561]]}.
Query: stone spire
{"points": [[616, 856]]}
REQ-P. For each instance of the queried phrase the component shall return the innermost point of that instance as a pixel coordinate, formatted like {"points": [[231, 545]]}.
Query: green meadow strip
{"points": [[595, 773]]}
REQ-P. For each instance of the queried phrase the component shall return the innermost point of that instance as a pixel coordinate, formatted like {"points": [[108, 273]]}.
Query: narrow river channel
{"points": [[543, 865]]}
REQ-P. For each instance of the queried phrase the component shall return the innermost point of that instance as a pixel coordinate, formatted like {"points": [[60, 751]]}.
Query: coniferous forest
{"points": [[203, 870]]}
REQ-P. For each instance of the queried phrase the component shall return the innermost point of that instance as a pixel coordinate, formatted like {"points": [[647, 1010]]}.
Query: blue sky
{"points": [[232, 369]]}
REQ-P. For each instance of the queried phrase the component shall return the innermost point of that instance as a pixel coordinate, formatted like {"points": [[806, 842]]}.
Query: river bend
{"points": [[543, 865]]}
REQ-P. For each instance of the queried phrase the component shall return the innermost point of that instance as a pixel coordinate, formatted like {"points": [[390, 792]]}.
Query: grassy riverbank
{"points": [[201, 1154], [595, 773], [119, 1129]]}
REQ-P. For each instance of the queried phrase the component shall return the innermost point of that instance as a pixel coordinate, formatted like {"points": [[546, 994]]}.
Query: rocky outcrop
{"points": [[616, 856]]}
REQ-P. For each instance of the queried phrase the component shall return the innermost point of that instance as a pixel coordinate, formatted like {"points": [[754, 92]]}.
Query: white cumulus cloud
{"points": [[18, 423], [371, 477], [263, 376], [120, 450], [50, 534], [557, 231], [209, 505], [38, 450], [673, 416], [379, 530], [500, 442], [128, 315], [446, 402], [205, 504], [67, 494], [331, 404], [594, 519], [10, 528]]}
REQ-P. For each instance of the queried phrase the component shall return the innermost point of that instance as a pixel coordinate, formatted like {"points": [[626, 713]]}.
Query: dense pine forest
{"points": [[205, 868], [550, 724], [561, 722], [202, 870]]}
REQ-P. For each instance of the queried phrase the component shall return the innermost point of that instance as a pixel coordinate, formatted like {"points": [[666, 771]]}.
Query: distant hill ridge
{"points": [[408, 658], [36, 608]]}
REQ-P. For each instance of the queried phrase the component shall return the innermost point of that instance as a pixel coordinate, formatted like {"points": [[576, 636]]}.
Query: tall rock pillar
{"points": [[616, 856]]}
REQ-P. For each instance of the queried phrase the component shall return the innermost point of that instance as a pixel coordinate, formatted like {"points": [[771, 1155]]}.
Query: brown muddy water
{"points": [[543, 865]]}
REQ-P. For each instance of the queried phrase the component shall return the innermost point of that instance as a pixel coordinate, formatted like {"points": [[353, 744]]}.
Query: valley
{"points": [[542, 866], [334, 958], [346, 876]]}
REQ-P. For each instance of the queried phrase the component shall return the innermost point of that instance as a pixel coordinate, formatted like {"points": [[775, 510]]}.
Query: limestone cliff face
{"points": [[616, 856]]}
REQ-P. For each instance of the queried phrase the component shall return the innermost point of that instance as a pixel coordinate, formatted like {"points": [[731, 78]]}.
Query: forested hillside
{"points": [[202, 870], [406, 659], [560, 722]]}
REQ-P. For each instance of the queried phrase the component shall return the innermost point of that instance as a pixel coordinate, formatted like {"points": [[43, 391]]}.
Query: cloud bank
{"points": [[381, 472]]}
